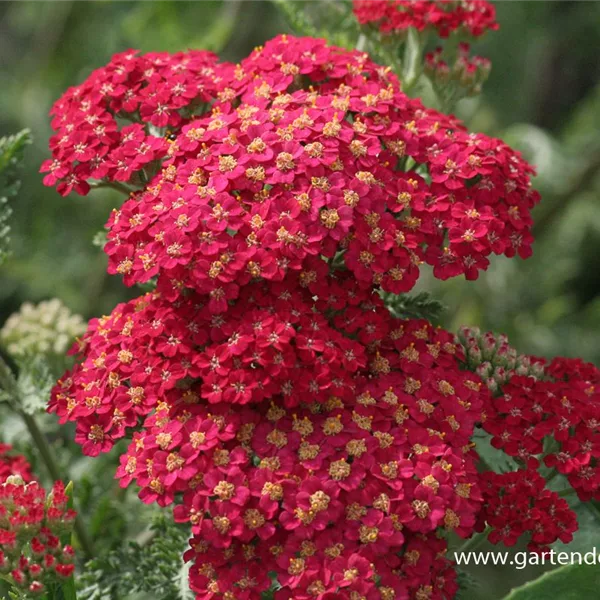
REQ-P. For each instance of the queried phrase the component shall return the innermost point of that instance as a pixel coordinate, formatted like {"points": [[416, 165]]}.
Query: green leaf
{"points": [[418, 306], [184, 591], [35, 384], [331, 20], [67, 589], [148, 286], [466, 585], [11, 154], [571, 582], [296, 17], [61, 590], [12, 149], [153, 570], [494, 459]]}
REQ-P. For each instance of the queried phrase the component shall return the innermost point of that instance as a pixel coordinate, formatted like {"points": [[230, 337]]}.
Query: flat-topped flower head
{"points": [[518, 503], [557, 402], [305, 431], [444, 17], [112, 127], [311, 161]]}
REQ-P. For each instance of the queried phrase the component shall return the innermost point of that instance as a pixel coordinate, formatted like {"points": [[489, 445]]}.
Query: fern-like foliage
{"points": [[12, 149], [135, 571], [417, 306], [35, 383]]}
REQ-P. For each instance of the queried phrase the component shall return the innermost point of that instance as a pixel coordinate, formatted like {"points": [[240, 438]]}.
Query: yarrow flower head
{"points": [[306, 418], [47, 328], [32, 525], [562, 407], [306, 434], [518, 503], [470, 17], [312, 162], [150, 92]]}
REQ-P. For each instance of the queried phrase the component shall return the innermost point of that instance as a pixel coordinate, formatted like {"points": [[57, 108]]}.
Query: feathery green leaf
{"points": [[12, 150]]}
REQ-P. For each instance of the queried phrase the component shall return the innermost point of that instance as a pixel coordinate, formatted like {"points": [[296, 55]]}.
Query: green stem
{"points": [[412, 61], [115, 185], [9, 383], [42, 445], [361, 44]]}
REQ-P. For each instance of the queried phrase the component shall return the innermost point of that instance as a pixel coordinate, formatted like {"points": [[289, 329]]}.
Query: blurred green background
{"points": [[543, 97]]}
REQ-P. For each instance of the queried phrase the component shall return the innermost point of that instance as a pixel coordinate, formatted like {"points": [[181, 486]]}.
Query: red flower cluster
{"points": [[31, 527], [471, 17], [557, 416], [305, 418], [519, 503], [152, 92], [308, 158], [13, 464], [269, 394]]}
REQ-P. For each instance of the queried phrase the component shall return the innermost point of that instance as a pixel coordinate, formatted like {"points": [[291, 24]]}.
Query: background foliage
{"points": [[543, 97]]}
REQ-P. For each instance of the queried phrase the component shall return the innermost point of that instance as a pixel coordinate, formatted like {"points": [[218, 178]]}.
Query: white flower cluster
{"points": [[46, 328]]}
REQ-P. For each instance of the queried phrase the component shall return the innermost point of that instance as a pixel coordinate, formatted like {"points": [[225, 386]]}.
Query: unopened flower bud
{"points": [[36, 587]]}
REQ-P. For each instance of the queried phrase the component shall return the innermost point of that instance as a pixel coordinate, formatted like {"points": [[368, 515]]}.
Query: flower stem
{"points": [[115, 185], [361, 44], [47, 454], [9, 384]]}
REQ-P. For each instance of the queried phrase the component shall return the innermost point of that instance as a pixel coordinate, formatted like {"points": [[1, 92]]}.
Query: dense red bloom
{"points": [[345, 438], [519, 503], [471, 17], [267, 393], [32, 524], [311, 162], [562, 406], [151, 91]]}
